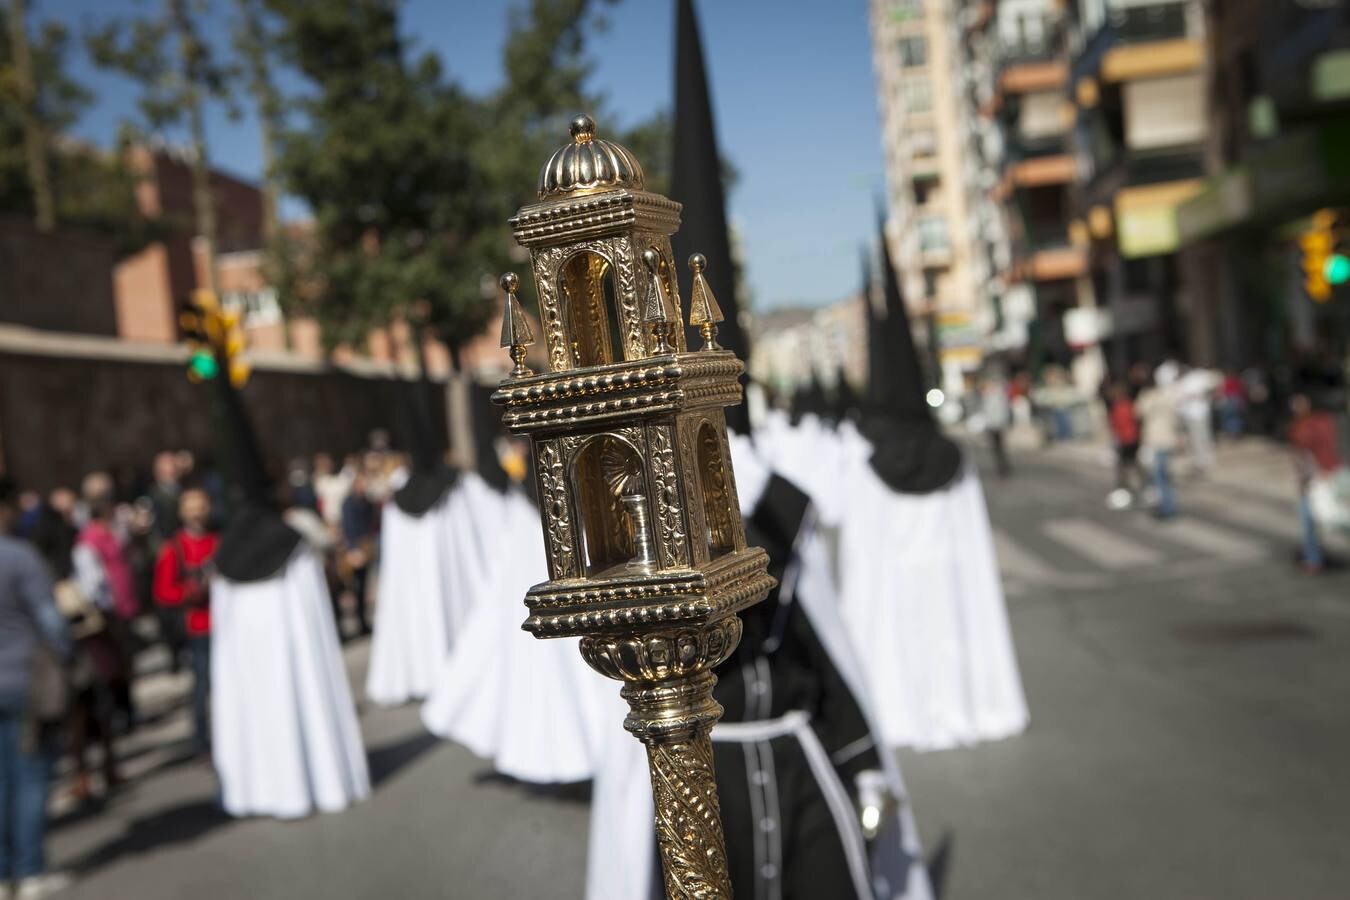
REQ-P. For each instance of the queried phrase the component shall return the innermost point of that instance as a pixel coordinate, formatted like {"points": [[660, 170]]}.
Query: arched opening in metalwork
{"points": [[591, 308], [611, 501]]}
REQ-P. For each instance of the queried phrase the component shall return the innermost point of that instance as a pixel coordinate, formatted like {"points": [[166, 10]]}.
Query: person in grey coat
{"points": [[28, 618]]}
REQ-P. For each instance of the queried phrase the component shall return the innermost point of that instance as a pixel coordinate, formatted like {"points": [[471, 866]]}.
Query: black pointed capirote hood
{"points": [[487, 428], [901, 390], [256, 543], [696, 182], [429, 478], [876, 342], [845, 398], [910, 452], [241, 454]]}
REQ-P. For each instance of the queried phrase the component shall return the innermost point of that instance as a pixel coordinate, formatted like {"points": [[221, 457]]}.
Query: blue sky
{"points": [[793, 93]]}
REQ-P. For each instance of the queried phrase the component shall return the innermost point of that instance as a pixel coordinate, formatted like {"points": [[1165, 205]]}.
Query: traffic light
{"points": [[1337, 269], [1319, 262], [215, 338]]}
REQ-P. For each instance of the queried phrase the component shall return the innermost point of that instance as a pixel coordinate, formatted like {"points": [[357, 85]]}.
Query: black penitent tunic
{"points": [[782, 840]]}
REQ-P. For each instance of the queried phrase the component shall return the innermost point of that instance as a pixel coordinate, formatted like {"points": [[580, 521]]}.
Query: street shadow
{"points": [[939, 864], [567, 792], [167, 828], [98, 804], [387, 760]]}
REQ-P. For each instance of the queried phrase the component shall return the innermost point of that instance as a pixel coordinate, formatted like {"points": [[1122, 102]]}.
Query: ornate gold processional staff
{"points": [[646, 547]]}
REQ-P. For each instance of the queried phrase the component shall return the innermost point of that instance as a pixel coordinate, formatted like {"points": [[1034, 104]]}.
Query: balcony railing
{"points": [[1025, 50], [1133, 168], [1150, 22], [1135, 24]]}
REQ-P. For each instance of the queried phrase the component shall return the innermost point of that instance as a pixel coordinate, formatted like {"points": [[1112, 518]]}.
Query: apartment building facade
{"points": [[1136, 77], [932, 223]]}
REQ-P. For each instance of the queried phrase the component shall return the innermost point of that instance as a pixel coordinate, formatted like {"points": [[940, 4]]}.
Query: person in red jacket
{"points": [[182, 586], [1125, 437]]}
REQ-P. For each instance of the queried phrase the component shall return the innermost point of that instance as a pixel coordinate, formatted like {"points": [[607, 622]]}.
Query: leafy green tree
{"points": [[384, 163], [57, 182], [178, 74], [546, 68]]}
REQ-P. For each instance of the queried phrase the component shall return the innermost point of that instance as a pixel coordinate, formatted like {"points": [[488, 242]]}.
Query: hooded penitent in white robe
{"points": [[285, 738], [413, 630], [531, 707], [430, 569], [920, 590], [622, 862]]}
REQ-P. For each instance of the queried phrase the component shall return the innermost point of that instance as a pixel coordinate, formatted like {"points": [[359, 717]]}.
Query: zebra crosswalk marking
{"points": [[1016, 560], [1106, 547], [1255, 515], [1212, 539]]}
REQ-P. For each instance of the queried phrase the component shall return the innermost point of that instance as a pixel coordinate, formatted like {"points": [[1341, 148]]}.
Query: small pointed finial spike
{"points": [[703, 309], [516, 331]]}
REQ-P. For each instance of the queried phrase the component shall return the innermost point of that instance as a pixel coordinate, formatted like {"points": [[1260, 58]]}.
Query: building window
{"points": [[913, 51], [932, 233], [923, 142], [918, 94], [906, 10], [255, 308], [930, 283]]}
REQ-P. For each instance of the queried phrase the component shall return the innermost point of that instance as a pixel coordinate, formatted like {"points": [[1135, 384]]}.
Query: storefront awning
{"points": [[1299, 173], [1146, 217]]}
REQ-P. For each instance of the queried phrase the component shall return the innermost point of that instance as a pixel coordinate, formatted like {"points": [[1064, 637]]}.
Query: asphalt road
{"points": [[1188, 690]]}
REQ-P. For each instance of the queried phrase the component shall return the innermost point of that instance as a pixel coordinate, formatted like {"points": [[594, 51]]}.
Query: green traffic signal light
{"points": [[1336, 269], [204, 364]]}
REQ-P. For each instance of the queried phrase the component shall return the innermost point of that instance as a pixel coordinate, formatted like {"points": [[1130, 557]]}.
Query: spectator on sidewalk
{"points": [[105, 578], [1232, 405], [331, 488], [997, 414], [30, 625], [1322, 481], [182, 589], [1157, 412], [301, 485], [357, 550], [163, 496], [1130, 477], [1195, 391], [96, 659]]}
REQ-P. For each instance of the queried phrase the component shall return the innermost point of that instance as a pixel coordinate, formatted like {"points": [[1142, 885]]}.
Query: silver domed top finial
{"points": [[588, 164], [583, 129]]}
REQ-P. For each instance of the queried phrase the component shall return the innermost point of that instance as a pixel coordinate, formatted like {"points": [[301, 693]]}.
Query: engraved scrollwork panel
{"points": [[556, 510], [546, 263], [627, 289], [698, 522], [672, 533]]}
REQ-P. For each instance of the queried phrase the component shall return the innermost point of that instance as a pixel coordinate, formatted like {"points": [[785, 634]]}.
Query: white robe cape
{"points": [[920, 589], [532, 707], [285, 738]]}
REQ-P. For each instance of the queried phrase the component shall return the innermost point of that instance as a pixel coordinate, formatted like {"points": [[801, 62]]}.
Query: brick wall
{"points": [[63, 416]]}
